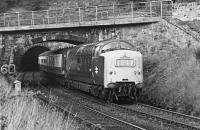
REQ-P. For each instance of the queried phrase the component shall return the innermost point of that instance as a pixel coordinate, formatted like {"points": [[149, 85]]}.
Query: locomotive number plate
{"points": [[125, 63]]}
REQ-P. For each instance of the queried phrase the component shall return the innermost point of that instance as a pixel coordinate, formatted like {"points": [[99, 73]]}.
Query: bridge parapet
{"points": [[72, 39], [93, 14]]}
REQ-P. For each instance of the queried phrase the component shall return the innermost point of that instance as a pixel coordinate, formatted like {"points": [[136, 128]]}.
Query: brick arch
{"points": [[52, 45], [27, 48]]}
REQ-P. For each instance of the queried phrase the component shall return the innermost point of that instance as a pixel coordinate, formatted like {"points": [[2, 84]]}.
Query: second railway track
{"points": [[165, 119], [143, 116], [175, 118]]}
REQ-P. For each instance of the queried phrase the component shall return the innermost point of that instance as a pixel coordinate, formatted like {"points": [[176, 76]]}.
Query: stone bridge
{"points": [[24, 35]]}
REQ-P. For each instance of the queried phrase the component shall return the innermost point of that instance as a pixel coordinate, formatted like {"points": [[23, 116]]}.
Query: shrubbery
{"points": [[173, 81], [23, 112], [32, 5]]}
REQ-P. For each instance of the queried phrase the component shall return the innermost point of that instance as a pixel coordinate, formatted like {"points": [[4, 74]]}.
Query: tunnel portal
{"points": [[29, 61]]}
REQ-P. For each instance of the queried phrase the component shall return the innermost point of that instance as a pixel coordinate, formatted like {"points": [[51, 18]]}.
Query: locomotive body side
{"points": [[78, 64], [108, 69]]}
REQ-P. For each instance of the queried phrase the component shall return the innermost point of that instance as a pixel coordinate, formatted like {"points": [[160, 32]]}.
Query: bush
{"points": [[24, 112], [174, 83]]}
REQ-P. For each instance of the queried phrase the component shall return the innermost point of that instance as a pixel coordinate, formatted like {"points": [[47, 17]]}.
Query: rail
{"points": [[99, 120], [169, 117], [187, 118], [150, 9]]}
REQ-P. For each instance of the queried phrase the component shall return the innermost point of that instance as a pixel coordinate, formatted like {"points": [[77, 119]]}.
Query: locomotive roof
{"points": [[45, 53], [99, 43], [57, 51], [89, 48], [85, 48]]}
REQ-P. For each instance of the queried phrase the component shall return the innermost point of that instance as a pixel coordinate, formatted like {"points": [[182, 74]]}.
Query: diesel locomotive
{"points": [[107, 69]]}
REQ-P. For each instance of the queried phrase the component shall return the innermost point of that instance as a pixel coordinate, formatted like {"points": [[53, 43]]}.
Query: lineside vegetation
{"points": [[172, 81], [24, 112]]}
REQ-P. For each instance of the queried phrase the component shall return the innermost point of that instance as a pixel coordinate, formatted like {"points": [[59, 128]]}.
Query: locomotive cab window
{"points": [[116, 46], [124, 45]]}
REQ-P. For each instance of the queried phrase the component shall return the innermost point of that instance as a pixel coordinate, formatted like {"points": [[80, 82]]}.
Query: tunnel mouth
{"points": [[29, 61]]}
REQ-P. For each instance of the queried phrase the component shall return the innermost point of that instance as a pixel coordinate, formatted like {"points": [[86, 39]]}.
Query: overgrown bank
{"points": [[35, 5], [24, 112], [172, 70], [173, 82]]}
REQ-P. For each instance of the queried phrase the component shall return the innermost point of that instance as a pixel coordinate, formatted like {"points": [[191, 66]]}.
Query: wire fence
{"points": [[150, 9]]}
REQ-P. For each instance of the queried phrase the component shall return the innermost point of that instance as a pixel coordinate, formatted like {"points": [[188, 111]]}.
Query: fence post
{"points": [[79, 13], [4, 15], [48, 16], [161, 8], [63, 15], [132, 9], [96, 13], [43, 20], [69, 15], [18, 20], [114, 11], [150, 8], [32, 17]]}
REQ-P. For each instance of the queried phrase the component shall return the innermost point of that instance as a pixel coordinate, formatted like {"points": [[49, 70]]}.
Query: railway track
{"points": [[112, 110], [92, 116], [145, 116], [168, 119], [178, 120]]}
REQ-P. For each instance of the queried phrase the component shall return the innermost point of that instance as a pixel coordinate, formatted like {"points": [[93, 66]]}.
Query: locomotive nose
{"points": [[123, 66]]}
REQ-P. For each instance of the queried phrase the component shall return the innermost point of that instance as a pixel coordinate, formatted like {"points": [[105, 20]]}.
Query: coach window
{"points": [[78, 60], [50, 61]]}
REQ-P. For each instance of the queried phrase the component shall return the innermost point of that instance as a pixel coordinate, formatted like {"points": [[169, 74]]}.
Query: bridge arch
{"points": [[29, 60]]}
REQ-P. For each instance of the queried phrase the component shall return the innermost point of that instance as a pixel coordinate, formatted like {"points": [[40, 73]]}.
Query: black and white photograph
{"points": [[99, 64]]}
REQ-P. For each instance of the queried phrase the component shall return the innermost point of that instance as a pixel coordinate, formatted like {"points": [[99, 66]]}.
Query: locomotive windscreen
{"points": [[116, 46], [125, 63]]}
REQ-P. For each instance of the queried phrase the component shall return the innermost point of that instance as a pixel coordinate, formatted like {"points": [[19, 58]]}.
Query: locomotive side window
{"points": [[96, 51]]}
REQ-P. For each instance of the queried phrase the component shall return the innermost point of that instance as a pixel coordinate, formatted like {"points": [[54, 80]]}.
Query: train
{"points": [[109, 69]]}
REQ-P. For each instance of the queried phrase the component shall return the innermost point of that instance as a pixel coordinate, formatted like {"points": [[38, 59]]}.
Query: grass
{"points": [[171, 68], [174, 81], [24, 112]]}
